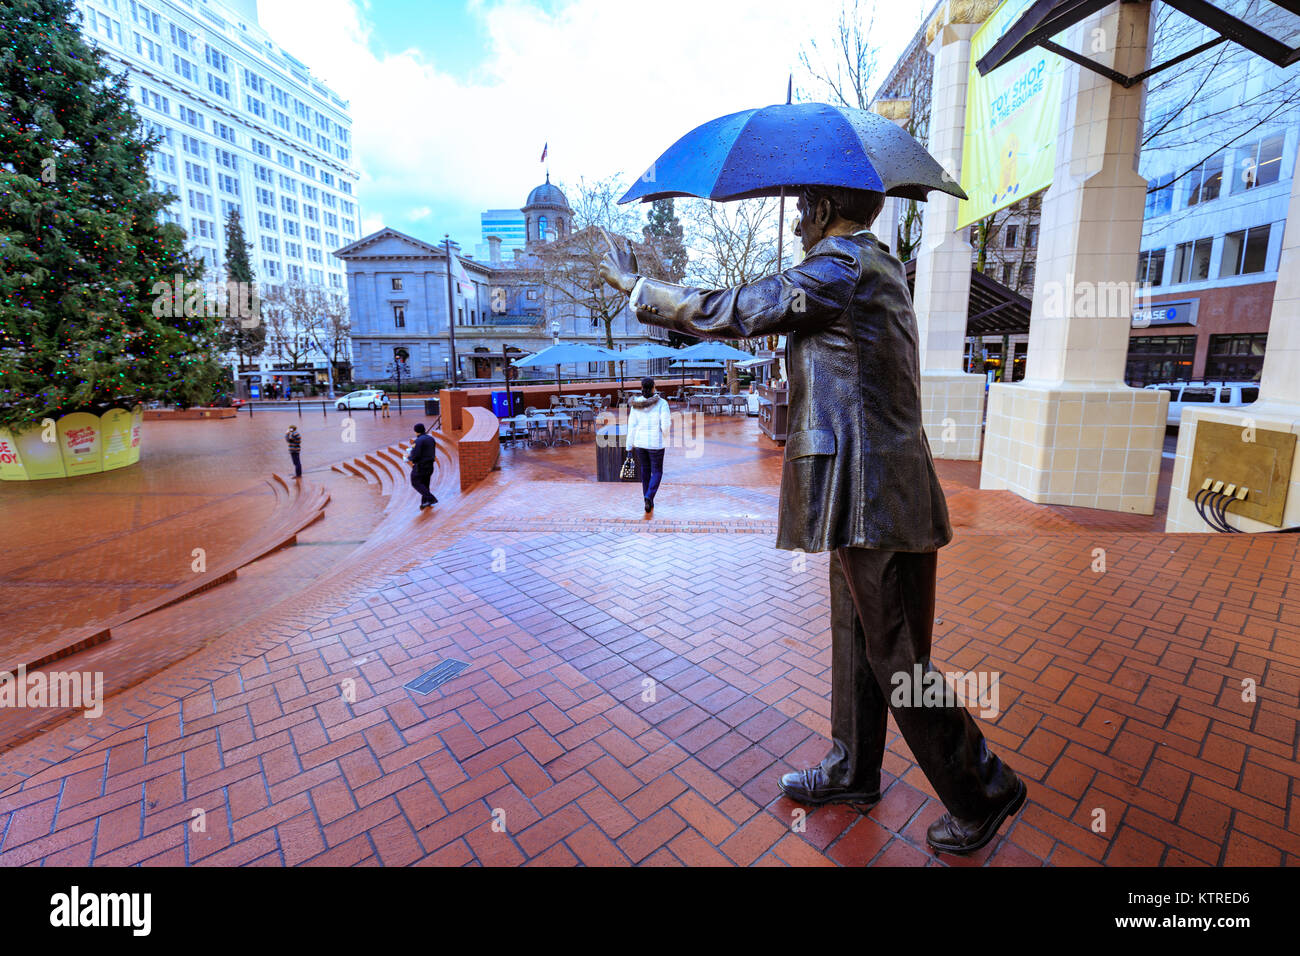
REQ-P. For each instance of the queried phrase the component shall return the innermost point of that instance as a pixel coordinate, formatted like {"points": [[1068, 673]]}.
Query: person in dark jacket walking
{"points": [[422, 456], [294, 440], [858, 481]]}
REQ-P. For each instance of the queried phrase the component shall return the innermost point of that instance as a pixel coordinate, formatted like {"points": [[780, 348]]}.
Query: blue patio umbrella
{"points": [[562, 353], [645, 352], [713, 351]]}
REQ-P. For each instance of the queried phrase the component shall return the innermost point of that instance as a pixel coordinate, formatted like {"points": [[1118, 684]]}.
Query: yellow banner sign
{"points": [[1009, 147], [80, 443]]}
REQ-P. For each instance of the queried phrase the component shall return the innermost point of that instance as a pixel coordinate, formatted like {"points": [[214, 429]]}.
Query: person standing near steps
{"points": [[422, 456], [648, 422], [293, 438]]}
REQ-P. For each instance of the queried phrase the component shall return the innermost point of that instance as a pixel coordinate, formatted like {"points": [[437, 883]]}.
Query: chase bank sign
{"points": [[1166, 313]]}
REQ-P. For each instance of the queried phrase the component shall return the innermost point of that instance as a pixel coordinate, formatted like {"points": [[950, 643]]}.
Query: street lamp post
{"points": [[555, 340], [396, 370], [451, 314]]}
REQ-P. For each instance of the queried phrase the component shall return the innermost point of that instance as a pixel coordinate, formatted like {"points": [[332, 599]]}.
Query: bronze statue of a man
{"points": [[858, 479]]}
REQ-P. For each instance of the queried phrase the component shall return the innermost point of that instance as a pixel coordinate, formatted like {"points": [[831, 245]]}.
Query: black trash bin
{"points": [[431, 406], [611, 450]]}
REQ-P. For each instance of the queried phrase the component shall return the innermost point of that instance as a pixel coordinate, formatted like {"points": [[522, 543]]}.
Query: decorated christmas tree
{"points": [[90, 312], [243, 332]]}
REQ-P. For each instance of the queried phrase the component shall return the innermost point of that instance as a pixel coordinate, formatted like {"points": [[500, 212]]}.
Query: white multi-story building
{"points": [[1221, 134], [245, 126]]}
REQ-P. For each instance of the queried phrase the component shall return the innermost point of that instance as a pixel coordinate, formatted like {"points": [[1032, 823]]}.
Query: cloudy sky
{"points": [[452, 100]]}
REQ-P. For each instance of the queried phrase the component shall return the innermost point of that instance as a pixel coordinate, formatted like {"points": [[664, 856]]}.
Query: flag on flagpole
{"points": [[544, 148], [464, 286]]}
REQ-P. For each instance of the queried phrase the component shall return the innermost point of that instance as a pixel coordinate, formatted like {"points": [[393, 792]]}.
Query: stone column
{"points": [[898, 111], [1071, 432], [1278, 407], [952, 401]]}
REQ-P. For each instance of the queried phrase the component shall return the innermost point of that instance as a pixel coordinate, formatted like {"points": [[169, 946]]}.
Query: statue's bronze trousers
{"points": [[882, 619]]}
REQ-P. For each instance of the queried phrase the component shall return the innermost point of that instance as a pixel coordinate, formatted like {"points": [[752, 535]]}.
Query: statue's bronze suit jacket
{"points": [[857, 471]]}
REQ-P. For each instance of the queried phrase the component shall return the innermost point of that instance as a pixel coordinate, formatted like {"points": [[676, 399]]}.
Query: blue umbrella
{"points": [[647, 351], [710, 351], [713, 351], [763, 152], [562, 353]]}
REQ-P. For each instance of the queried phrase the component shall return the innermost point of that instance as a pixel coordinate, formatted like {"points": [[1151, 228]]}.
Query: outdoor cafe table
{"points": [[550, 421]]}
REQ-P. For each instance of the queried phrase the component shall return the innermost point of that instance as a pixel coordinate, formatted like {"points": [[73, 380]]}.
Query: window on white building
{"points": [[185, 68], [1205, 182], [1258, 163], [181, 38], [1151, 267], [149, 49], [1245, 251], [216, 59], [1192, 261]]}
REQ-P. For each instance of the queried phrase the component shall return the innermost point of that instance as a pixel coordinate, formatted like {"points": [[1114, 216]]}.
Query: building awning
{"points": [[755, 363], [1046, 18], [992, 309]]}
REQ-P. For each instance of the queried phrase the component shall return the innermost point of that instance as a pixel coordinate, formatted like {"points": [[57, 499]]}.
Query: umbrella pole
{"points": [[780, 233], [780, 223]]}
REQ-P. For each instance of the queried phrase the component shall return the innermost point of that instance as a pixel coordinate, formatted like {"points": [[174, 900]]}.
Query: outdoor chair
{"points": [[738, 401], [586, 419]]}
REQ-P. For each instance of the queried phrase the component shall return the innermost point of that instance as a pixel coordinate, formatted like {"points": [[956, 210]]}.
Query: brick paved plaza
{"points": [[636, 684]]}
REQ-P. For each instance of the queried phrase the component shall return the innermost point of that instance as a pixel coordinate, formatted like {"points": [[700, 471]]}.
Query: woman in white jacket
{"points": [[647, 432]]}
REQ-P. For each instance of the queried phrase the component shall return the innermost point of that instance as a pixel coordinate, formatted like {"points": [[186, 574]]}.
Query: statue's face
{"points": [[811, 227]]}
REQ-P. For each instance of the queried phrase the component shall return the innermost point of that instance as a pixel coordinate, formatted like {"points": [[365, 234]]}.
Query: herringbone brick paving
{"points": [[633, 696]]}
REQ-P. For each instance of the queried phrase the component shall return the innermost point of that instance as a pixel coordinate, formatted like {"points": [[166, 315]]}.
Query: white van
{"points": [[1218, 394]]}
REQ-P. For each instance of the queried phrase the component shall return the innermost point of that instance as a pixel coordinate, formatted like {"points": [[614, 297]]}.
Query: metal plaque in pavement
{"points": [[430, 679]]}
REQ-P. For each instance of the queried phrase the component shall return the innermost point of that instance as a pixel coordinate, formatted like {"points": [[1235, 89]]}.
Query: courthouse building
{"points": [[501, 310]]}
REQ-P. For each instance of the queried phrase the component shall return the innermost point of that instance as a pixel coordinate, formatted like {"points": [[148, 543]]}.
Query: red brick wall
{"points": [[479, 447], [1224, 309]]}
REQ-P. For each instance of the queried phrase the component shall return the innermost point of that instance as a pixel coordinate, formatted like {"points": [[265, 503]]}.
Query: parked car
{"points": [[365, 398], [1218, 394]]}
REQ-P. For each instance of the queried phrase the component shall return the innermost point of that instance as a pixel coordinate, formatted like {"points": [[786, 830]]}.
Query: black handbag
{"points": [[628, 471]]}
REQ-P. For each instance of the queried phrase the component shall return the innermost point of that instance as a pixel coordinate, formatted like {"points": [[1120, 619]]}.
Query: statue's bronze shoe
{"points": [[958, 836], [810, 786]]}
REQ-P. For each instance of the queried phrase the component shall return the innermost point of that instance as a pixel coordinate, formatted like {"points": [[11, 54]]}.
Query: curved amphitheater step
{"points": [[387, 468], [298, 504], [401, 535]]}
